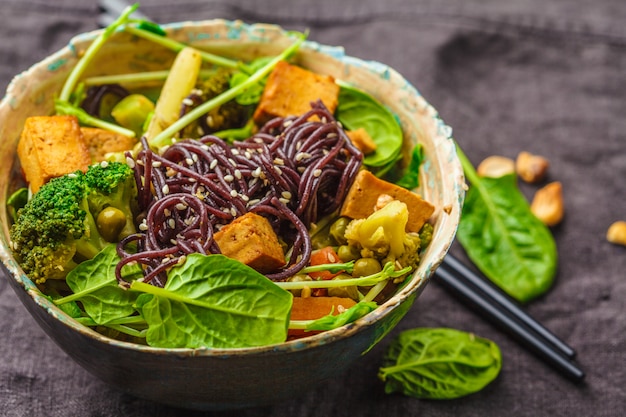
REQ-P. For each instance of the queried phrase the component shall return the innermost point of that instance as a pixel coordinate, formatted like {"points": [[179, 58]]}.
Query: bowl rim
{"points": [[236, 27]]}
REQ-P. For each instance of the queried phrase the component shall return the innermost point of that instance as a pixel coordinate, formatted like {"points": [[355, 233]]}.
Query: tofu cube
{"points": [[290, 90], [51, 146], [101, 142], [362, 199], [362, 140], [251, 240]]}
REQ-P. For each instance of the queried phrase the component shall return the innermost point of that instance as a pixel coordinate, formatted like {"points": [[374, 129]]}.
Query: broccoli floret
{"points": [[382, 236], [60, 225]]}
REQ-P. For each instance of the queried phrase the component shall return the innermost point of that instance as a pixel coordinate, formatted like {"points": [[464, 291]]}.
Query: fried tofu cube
{"points": [[102, 142], [251, 240], [362, 200], [51, 146], [290, 90], [362, 140]]}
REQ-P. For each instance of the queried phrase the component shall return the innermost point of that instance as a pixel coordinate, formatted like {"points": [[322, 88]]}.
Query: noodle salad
{"points": [[237, 204]]}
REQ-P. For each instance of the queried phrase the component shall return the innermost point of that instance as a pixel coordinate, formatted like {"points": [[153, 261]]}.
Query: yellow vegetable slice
{"points": [[178, 84]]}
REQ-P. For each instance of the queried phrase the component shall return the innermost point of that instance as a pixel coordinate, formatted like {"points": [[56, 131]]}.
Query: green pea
{"points": [[110, 222], [338, 230], [366, 266], [348, 253]]}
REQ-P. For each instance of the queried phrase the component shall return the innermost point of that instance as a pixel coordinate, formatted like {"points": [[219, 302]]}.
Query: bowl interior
{"points": [[441, 179]]}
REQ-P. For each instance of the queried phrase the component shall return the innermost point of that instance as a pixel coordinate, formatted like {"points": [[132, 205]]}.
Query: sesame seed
{"points": [[258, 140], [302, 155], [284, 200], [140, 162], [232, 162], [278, 170], [237, 174], [167, 212], [253, 202], [72, 175], [331, 135], [247, 154], [233, 193], [229, 178], [286, 194], [187, 101], [235, 152], [166, 189], [171, 223], [130, 162], [233, 212], [301, 169], [181, 206], [257, 172], [287, 123], [244, 197], [204, 147], [143, 226], [156, 164], [317, 173], [213, 164], [194, 157], [104, 164], [279, 161], [189, 161], [173, 242]]}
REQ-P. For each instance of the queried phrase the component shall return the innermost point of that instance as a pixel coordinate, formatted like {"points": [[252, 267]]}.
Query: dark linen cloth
{"points": [[546, 77]]}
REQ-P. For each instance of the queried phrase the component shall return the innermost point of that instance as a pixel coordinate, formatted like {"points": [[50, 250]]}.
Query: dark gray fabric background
{"points": [[547, 77]]}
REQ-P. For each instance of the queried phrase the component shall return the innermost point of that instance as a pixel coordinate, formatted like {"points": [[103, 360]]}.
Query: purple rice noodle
{"points": [[293, 172]]}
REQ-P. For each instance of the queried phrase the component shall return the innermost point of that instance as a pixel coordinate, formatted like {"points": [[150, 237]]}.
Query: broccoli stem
{"points": [[167, 134]]}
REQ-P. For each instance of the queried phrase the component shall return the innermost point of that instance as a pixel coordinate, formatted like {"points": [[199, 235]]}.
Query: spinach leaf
{"points": [[357, 109], [94, 284], [439, 363], [331, 321], [503, 238], [410, 176], [216, 302]]}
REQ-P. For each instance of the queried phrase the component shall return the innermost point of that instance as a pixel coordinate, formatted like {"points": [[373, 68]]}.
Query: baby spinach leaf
{"points": [[357, 109], [410, 176], [503, 238], [331, 321], [439, 363], [216, 302], [94, 284]]}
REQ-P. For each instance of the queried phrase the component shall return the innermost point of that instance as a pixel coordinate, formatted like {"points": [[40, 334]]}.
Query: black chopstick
{"points": [[505, 314]]}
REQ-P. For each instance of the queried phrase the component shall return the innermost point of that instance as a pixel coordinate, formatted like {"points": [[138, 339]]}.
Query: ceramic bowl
{"points": [[213, 379]]}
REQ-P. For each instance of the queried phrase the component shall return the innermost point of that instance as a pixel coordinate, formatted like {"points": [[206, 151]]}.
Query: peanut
{"points": [[617, 233], [496, 166], [531, 168], [547, 204]]}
